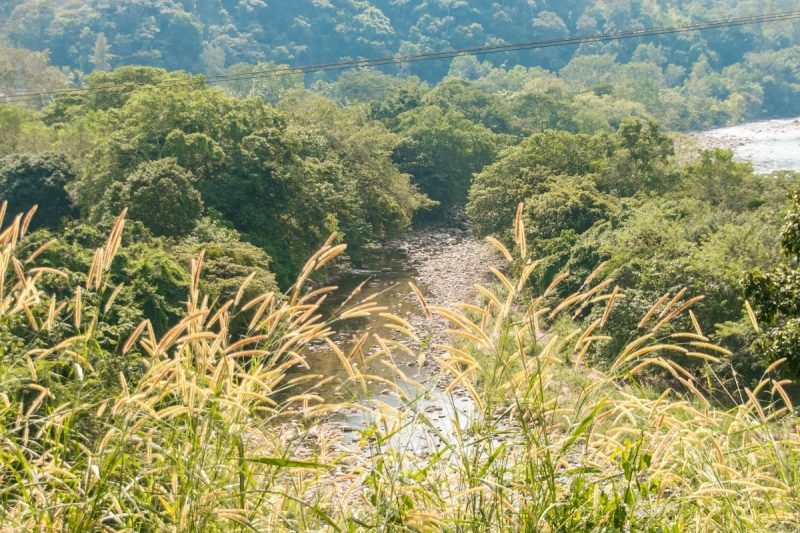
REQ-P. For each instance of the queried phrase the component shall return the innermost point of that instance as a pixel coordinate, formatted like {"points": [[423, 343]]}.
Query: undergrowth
{"points": [[193, 431]]}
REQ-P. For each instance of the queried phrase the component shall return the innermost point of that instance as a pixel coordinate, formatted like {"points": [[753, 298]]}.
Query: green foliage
{"points": [[227, 261], [621, 200], [775, 296], [720, 181], [402, 98], [565, 203], [380, 198], [538, 111], [468, 67], [641, 164], [285, 179], [442, 150], [479, 107], [269, 88], [26, 71], [152, 283], [685, 80], [589, 71], [27, 26], [68, 107], [101, 59], [21, 131], [160, 194], [27, 180], [175, 35], [661, 246], [365, 86], [531, 168]]}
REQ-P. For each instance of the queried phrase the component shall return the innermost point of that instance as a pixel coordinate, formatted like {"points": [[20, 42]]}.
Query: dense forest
{"points": [[209, 35], [693, 79], [236, 198]]}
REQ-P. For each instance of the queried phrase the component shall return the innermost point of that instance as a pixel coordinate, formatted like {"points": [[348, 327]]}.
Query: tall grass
{"points": [[204, 437]]}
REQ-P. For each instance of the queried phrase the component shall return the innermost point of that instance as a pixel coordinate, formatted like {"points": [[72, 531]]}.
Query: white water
{"points": [[770, 145]]}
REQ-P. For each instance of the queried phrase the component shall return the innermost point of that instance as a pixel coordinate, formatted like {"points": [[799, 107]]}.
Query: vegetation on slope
{"points": [[656, 227], [186, 431], [143, 371], [262, 186]]}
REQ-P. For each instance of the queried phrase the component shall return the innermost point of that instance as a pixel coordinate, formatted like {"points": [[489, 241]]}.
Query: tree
{"points": [[721, 181], [22, 132], [364, 86], [213, 57], [442, 150], [536, 167], [566, 203], [28, 23], [101, 58], [548, 25], [775, 296], [535, 112], [128, 75], [468, 67], [27, 180], [284, 179], [183, 42], [161, 195], [402, 98], [478, 106], [588, 71], [269, 88], [641, 163], [25, 71], [152, 283], [227, 262]]}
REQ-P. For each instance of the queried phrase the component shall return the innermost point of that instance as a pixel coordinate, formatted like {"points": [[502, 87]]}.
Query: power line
{"points": [[415, 58]]}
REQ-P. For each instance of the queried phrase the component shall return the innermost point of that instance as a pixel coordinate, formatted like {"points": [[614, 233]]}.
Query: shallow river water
{"points": [[770, 145], [385, 279]]}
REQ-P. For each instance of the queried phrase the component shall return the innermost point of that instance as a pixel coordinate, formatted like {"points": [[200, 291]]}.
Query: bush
{"points": [[27, 180], [161, 195], [776, 298]]}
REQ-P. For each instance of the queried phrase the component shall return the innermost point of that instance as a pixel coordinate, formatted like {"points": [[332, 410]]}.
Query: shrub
{"points": [[776, 297], [161, 195], [27, 180]]}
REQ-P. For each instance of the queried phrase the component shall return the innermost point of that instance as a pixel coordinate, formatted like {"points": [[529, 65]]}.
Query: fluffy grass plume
{"points": [[211, 436]]}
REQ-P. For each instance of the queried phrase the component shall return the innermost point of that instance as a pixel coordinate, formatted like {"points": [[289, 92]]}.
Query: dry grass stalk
{"points": [[202, 441]]}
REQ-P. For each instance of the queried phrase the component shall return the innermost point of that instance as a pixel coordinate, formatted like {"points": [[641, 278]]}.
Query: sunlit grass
{"points": [[203, 439]]}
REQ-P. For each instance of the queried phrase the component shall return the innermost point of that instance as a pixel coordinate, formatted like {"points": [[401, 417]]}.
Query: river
{"points": [[770, 145], [444, 261]]}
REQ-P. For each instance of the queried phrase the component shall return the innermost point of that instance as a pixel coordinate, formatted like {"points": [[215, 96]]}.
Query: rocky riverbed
{"points": [[448, 261], [445, 261], [770, 145]]}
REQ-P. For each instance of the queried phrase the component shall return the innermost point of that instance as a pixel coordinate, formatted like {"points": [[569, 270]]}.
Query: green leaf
{"points": [[581, 428], [286, 463]]}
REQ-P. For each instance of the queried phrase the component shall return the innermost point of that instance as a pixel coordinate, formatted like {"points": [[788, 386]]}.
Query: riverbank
{"points": [[770, 145]]}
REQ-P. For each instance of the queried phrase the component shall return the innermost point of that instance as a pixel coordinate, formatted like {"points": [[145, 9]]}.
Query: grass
{"points": [[200, 440]]}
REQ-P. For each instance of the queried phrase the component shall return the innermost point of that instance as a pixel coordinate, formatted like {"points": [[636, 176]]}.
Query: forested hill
{"points": [[259, 172], [211, 35]]}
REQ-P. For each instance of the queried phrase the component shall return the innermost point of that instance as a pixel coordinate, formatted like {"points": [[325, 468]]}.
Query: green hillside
{"points": [[175, 355]]}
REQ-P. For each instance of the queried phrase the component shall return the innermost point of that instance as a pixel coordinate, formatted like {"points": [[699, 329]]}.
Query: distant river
{"points": [[770, 145]]}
